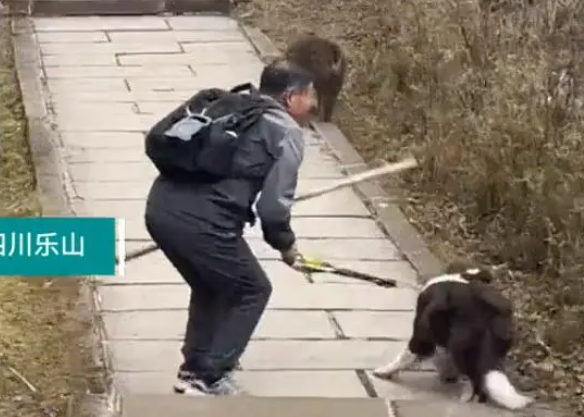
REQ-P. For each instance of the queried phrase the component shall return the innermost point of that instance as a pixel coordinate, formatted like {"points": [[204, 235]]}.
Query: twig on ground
{"points": [[25, 381]]}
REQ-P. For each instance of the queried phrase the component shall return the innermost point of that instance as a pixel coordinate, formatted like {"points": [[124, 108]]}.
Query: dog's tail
{"points": [[501, 391]]}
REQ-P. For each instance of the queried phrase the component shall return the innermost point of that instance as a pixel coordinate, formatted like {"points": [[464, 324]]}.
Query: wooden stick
{"points": [[361, 177], [369, 175]]}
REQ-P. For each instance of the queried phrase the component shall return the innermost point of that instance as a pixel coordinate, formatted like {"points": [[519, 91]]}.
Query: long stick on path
{"points": [[371, 174]]}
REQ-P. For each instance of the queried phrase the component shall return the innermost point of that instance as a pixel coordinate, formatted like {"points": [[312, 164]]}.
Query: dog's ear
{"points": [[490, 298], [431, 304], [477, 274], [438, 305]]}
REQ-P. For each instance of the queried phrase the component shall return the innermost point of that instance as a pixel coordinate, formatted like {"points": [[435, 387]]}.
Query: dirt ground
{"points": [[45, 359], [487, 95]]}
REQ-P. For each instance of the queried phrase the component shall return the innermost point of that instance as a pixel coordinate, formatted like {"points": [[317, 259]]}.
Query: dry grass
{"points": [[488, 95], [43, 336]]}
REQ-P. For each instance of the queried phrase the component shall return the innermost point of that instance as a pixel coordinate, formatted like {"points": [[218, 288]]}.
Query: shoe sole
{"points": [[186, 388]]}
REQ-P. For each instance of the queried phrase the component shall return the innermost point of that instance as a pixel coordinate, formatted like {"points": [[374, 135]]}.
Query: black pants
{"points": [[229, 291]]}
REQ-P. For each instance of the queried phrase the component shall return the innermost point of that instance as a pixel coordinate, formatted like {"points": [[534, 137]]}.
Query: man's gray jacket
{"points": [[223, 207]]}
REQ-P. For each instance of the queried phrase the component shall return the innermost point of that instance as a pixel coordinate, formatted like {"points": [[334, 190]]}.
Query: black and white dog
{"points": [[466, 326]]}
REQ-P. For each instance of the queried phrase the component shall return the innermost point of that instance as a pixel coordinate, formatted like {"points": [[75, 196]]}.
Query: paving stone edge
{"points": [[388, 215], [48, 8], [54, 190]]}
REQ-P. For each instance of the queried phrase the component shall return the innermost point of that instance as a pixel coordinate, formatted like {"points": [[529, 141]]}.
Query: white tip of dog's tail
{"points": [[502, 392]]}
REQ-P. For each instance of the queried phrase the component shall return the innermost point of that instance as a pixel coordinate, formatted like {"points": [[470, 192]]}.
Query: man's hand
{"points": [[291, 256]]}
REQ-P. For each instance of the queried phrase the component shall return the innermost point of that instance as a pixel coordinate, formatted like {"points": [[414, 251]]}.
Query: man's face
{"points": [[302, 103]]}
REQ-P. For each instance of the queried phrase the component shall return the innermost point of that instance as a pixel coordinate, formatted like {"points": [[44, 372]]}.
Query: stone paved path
{"points": [[110, 79]]}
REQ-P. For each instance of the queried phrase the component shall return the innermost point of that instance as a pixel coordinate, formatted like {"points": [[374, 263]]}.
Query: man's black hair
{"points": [[280, 76]]}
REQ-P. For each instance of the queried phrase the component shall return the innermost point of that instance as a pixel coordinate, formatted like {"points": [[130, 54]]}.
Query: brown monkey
{"points": [[325, 60]]}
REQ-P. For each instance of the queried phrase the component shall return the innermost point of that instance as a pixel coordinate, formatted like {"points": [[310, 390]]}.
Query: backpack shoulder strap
{"points": [[244, 87]]}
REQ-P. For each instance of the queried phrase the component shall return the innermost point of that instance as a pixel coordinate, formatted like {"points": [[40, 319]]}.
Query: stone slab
{"points": [[329, 227], [320, 166], [343, 297], [183, 36], [316, 355], [246, 70], [304, 227], [82, 49], [202, 23], [145, 356], [139, 190], [214, 47], [452, 408], [332, 206], [67, 37], [84, 111], [310, 139], [118, 209], [149, 270], [217, 58], [117, 142], [157, 356], [91, 85], [315, 157], [50, 61], [74, 72], [293, 297], [323, 384], [170, 325], [420, 386], [334, 250], [154, 268], [185, 84], [252, 406], [104, 122], [118, 96], [98, 23], [188, 85], [113, 159], [151, 107], [375, 324], [338, 203], [109, 171], [112, 146]]}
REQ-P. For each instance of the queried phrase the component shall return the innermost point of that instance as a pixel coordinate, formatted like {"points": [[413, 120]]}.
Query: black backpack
{"points": [[204, 139]]}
